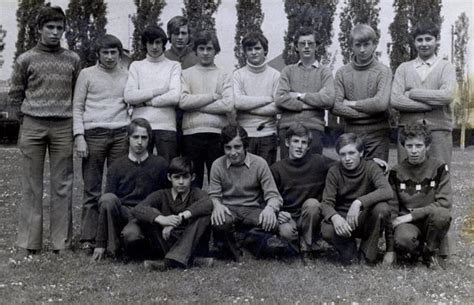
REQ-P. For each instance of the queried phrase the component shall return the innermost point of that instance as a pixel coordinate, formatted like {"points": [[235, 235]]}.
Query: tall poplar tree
{"points": [[28, 34], [354, 12], [318, 14], [3, 33], [200, 14], [86, 21], [249, 19], [148, 13]]}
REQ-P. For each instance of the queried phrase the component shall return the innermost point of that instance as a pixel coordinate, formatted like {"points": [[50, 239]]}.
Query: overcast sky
{"points": [[274, 26]]}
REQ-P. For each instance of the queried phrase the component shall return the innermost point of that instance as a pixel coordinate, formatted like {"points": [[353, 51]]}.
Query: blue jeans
{"points": [[265, 147], [38, 135], [104, 145]]}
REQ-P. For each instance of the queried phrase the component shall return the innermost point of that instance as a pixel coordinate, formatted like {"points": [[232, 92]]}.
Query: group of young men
{"points": [[159, 124]]}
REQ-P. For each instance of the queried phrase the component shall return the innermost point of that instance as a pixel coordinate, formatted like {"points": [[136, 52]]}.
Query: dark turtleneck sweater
{"points": [[43, 81], [369, 86], [420, 188], [366, 183]]}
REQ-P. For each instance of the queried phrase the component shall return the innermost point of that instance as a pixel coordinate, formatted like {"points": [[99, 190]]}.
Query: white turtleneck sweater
{"points": [[155, 80], [254, 92]]}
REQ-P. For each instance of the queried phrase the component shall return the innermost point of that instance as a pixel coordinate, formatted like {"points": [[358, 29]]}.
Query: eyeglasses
{"points": [[303, 44]]}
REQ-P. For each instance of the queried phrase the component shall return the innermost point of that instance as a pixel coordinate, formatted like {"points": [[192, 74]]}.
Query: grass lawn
{"points": [[73, 278]]}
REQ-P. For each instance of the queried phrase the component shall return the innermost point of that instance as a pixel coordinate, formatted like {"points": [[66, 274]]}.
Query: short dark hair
{"points": [[181, 166], [423, 27], [303, 31], [230, 132], [50, 13], [415, 130], [151, 33], [139, 122], [173, 25], [108, 42], [204, 37], [298, 129], [252, 38], [349, 138]]}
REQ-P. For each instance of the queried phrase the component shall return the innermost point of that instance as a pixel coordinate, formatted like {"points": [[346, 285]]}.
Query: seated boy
{"points": [[242, 190], [176, 219], [422, 197], [354, 203]]}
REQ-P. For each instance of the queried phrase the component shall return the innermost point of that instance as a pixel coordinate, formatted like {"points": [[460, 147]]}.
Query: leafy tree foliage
{"points": [[3, 33], [86, 21], [200, 14], [354, 12], [27, 31], [461, 33], [249, 19], [318, 14], [148, 13]]}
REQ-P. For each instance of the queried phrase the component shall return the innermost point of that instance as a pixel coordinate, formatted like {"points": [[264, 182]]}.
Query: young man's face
{"points": [[138, 141], [255, 54], [425, 45], [416, 150], [235, 151], [206, 54], [154, 48], [349, 156], [363, 50], [51, 33], [181, 39], [181, 183], [298, 147], [306, 47], [109, 57]]}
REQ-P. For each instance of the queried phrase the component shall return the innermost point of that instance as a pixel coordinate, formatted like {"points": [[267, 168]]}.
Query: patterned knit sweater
{"points": [[369, 87], [43, 81], [427, 101], [419, 188], [317, 83]]}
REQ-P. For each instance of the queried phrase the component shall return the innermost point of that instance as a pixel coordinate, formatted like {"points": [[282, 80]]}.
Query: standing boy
{"points": [[363, 92], [42, 83], [180, 38], [354, 203], [153, 88], [255, 87], [242, 190], [176, 219], [129, 180], [305, 90], [206, 100], [422, 197], [100, 120], [423, 90]]}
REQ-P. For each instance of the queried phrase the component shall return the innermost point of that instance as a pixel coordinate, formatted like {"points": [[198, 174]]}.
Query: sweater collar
{"points": [[300, 161], [355, 172], [357, 66], [46, 48], [257, 69], [136, 159], [102, 68], [156, 59]]}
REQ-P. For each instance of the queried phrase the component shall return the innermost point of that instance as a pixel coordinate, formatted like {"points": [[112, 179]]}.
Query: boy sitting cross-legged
{"points": [[175, 220]]}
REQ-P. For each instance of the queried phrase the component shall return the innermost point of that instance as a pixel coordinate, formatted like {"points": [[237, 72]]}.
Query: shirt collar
{"points": [[315, 64], [246, 161], [174, 194], [136, 159], [429, 62]]}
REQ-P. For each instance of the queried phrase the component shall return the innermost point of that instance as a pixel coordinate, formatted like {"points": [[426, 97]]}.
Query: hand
{"points": [[171, 220], [81, 146], [402, 219], [389, 258], [268, 219], [349, 103], [185, 214], [216, 96], [98, 254], [166, 232], [341, 226], [283, 217], [353, 214], [218, 214], [384, 165], [294, 94]]}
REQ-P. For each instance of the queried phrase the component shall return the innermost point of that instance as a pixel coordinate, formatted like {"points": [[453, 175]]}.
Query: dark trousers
{"points": [[117, 229], [202, 149], [103, 145], [183, 241], [376, 143], [265, 147], [306, 225], [166, 144], [427, 232], [316, 143], [371, 222]]}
